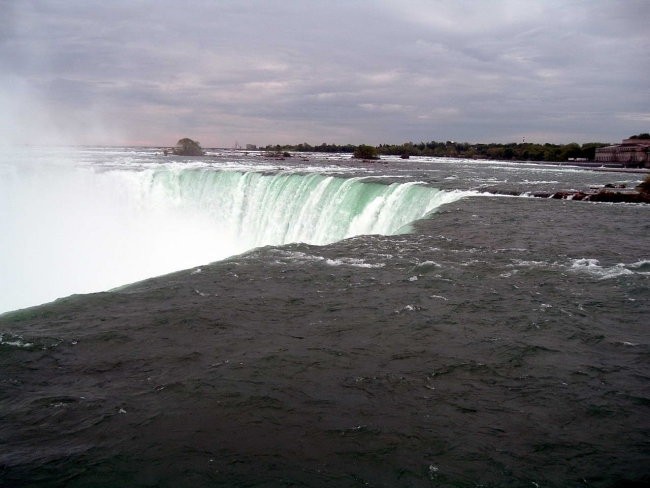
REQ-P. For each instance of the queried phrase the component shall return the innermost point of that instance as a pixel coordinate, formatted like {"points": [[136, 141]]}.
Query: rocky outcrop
{"points": [[604, 194], [598, 196], [644, 186]]}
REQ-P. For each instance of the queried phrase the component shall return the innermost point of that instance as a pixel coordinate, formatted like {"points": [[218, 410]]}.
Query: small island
{"points": [[365, 152], [187, 147]]}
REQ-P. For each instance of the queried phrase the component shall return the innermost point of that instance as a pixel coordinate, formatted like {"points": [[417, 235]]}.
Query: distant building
{"points": [[251, 147], [633, 152]]}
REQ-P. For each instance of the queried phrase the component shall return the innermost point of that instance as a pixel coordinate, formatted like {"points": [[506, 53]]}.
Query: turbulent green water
{"points": [[256, 209]]}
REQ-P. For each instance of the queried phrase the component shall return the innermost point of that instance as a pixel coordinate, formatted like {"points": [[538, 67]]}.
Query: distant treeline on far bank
{"points": [[513, 151]]}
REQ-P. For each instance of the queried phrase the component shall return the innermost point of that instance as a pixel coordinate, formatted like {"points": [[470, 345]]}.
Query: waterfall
{"points": [[81, 229]]}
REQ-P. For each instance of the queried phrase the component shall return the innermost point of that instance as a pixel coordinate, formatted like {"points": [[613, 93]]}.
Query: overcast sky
{"points": [[336, 71]]}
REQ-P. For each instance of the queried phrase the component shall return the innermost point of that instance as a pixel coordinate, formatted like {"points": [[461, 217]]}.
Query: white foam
{"points": [[409, 308], [301, 257], [523, 263], [354, 262], [508, 274], [15, 341], [593, 267]]}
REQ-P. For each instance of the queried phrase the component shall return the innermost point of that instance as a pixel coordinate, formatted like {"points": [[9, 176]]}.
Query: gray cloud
{"points": [[287, 71]]}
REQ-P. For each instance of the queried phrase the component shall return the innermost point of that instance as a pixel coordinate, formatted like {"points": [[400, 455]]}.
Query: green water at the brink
{"points": [[257, 209]]}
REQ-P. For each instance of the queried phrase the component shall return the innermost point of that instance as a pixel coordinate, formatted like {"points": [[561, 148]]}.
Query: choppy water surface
{"points": [[502, 342]]}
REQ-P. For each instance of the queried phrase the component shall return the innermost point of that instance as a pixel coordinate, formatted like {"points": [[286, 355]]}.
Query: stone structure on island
{"points": [[188, 147], [631, 153]]}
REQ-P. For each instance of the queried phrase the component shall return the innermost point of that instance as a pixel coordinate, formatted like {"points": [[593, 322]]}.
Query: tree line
{"points": [[512, 151]]}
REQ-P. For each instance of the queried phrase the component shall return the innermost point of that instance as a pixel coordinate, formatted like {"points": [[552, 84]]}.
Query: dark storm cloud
{"points": [[340, 71]]}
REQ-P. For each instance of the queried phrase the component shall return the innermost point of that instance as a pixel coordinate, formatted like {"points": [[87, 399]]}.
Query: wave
{"points": [[594, 268], [586, 266]]}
